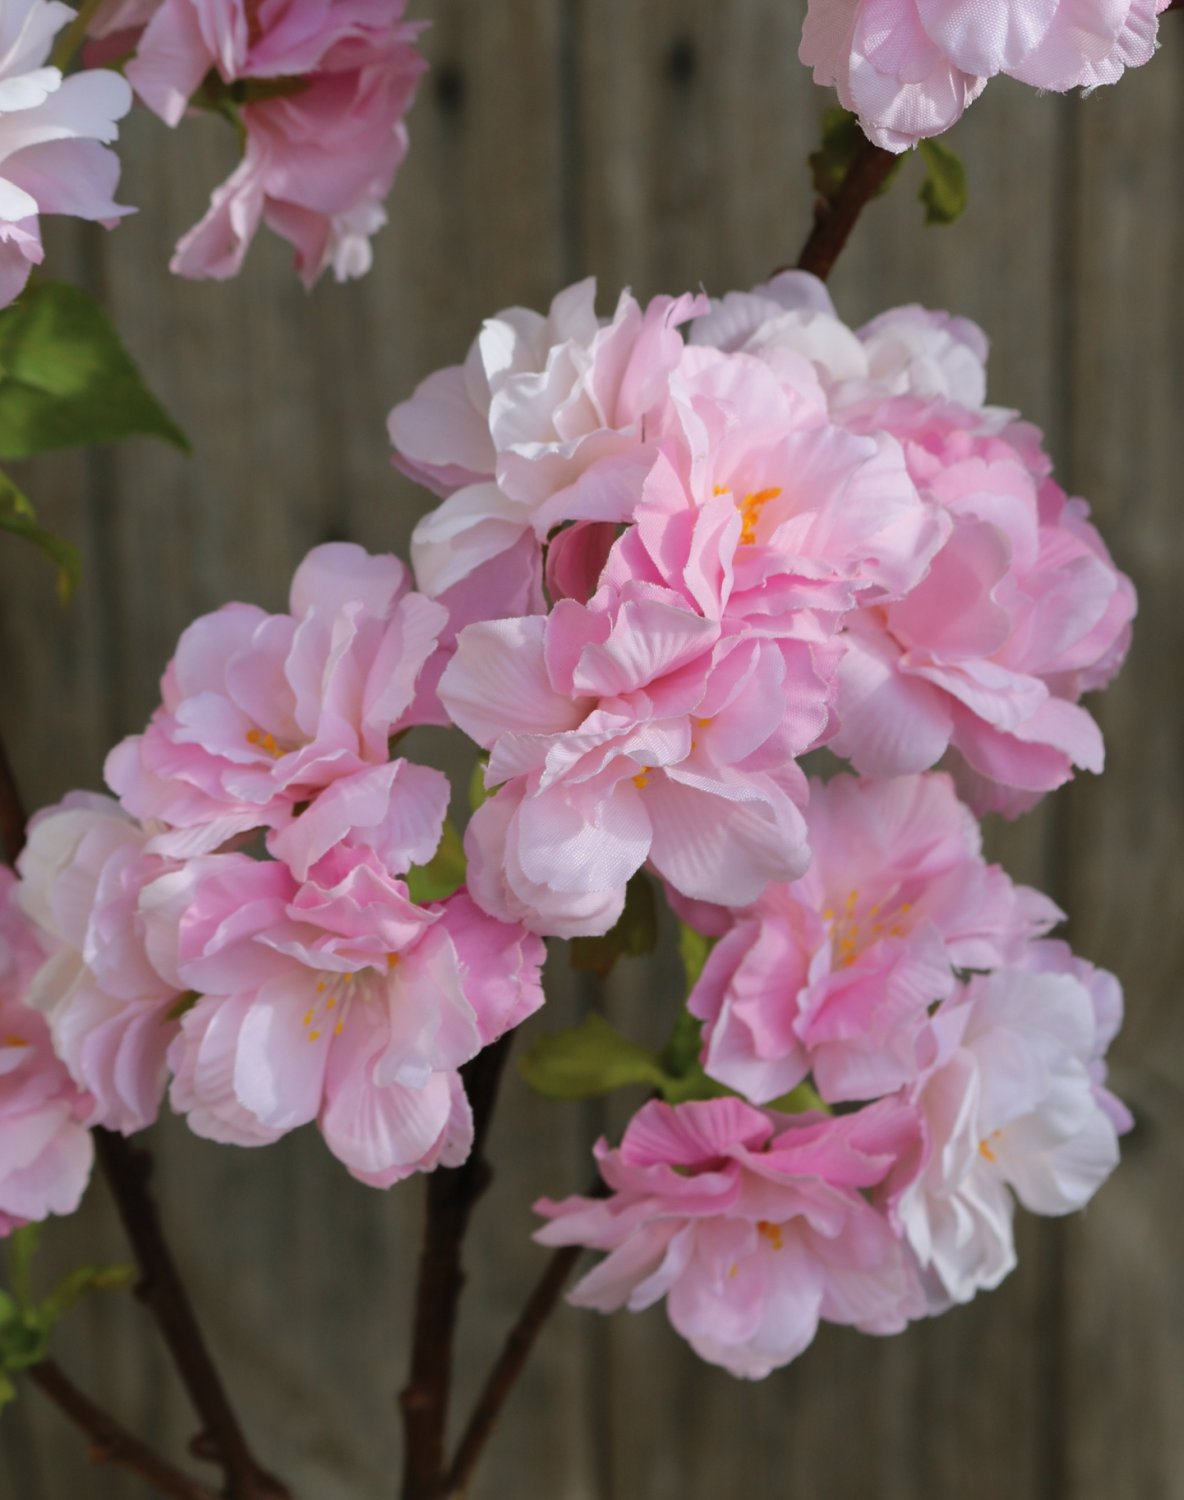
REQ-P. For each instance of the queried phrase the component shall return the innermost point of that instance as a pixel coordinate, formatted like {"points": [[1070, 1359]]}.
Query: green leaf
{"points": [[66, 379], [478, 792], [798, 1101], [7, 1389], [841, 139], [16, 515], [443, 873], [634, 934], [693, 949], [182, 1005], [593, 1059], [944, 192]]}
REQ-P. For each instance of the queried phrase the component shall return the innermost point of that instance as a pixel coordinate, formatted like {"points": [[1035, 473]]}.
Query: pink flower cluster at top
{"points": [[775, 535], [682, 547], [274, 991], [908, 68], [54, 133], [322, 88]]}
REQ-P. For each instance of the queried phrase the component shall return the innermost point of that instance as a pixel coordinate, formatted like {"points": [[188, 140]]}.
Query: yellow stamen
{"points": [[339, 1028], [392, 961], [266, 742], [314, 1036], [308, 1015], [12, 1040], [770, 1232], [642, 779], [984, 1150], [750, 513], [331, 1003]]}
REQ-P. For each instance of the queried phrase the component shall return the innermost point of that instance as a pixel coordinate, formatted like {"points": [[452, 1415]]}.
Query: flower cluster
{"points": [[240, 920], [908, 71], [54, 134], [676, 551], [681, 548], [320, 90]]}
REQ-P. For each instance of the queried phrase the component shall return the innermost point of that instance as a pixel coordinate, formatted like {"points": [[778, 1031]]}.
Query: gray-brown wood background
{"points": [[659, 144]]}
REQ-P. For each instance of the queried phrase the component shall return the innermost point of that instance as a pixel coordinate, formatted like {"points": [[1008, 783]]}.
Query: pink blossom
{"points": [[53, 130], [629, 729], [545, 422], [1011, 1106], [45, 1147], [836, 974], [262, 711], [910, 69], [102, 991], [1019, 612], [754, 1227], [336, 1000], [322, 154]]}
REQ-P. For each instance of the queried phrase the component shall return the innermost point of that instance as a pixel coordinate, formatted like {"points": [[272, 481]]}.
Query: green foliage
{"points": [[443, 873], [17, 516], [944, 192], [26, 1322], [634, 935], [66, 379], [592, 1059], [693, 949], [841, 140], [477, 789]]}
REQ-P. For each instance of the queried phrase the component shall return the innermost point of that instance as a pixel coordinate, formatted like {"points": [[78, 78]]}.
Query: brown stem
{"points": [[834, 217], [12, 811], [451, 1196], [127, 1168], [509, 1365], [109, 1442]]}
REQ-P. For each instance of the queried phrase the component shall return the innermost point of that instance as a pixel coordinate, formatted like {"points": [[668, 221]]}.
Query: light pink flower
{"points": [[1011, 1106], [754, 1227], [545, 422], [1019, 612], [106, 1001], [908, 68], [53, 159], [629, 729], [262, 711], [336, 1000], [320, 158], [45, 1147], [836, 974]]}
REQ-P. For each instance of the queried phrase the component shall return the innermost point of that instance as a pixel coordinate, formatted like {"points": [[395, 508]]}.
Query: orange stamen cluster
{"points": [[851, 934]]}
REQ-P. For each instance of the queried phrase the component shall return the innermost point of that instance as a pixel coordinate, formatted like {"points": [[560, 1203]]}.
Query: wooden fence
{"points": [[659, 144]]}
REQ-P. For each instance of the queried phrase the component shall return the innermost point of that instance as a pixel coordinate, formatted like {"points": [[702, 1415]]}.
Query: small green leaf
{"points": [[17, 516], [478, 792], [182, 1005], [841, 140], [800, 1100], [693, 949], [634, 934], [67, 379], [443, 873], [681, 1053], [944, 192], [7, 1389], [593, 1059]]}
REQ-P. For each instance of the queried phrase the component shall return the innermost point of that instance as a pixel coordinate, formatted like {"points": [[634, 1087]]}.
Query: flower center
{"points": [[267, 742], [852, 931], [984, 1147], [771, 1233], [335, 995], [750, 509]]}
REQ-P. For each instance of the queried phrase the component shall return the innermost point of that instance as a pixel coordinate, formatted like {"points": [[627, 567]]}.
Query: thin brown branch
{"points": [[109, 1442], [509, 1365], [835, 217], [452, 1194], [12, 811], [127, 1169]]}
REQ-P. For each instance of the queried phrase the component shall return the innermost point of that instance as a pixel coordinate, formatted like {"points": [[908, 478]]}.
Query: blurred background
{"points": [[661, 146]]}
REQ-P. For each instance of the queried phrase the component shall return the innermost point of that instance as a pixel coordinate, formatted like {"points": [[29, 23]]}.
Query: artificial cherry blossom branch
{"points": [[509, 1366], [451, 1196], [110, 1442], [835, 216], [127, 1168], [12, 811]]}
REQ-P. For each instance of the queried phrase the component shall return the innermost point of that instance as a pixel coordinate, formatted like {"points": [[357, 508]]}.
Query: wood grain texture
{"points": [[660, 146]]}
